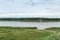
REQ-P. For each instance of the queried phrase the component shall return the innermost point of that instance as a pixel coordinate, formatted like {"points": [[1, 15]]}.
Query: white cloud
{"points": [[30, 7], [30, 15]]}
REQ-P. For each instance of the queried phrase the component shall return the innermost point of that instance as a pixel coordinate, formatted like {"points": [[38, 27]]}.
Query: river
{"points": [[39, 25]]}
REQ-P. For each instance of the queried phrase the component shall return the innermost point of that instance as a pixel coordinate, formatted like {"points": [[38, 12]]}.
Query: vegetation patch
{"points": [[16, 33], [54, 29]]}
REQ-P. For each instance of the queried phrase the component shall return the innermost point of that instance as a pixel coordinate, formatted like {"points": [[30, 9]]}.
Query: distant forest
{"points": [[31, 19]]}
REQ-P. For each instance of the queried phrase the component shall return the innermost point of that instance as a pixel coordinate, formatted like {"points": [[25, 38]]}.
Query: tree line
{"points": [[30, 19]]}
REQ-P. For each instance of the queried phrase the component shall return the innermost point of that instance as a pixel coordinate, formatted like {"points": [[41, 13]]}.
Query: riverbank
{"points": [[14, 33]]}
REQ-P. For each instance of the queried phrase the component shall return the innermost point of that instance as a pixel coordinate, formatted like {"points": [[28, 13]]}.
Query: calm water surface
{"points": [[39, 25]]}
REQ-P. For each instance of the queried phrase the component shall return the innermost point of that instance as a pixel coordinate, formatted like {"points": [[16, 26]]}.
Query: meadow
{"points": [[17, 33]]}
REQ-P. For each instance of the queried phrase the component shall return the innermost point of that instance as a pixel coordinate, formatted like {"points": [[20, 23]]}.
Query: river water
{"points": [[39, 25]]}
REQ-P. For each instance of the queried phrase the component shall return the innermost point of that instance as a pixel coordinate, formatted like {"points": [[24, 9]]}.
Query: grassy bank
{"points": [[11, 27], [54, 29], [11, 33]]}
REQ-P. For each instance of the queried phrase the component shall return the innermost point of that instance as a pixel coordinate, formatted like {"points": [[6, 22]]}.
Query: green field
{"points": [[11, 33]]}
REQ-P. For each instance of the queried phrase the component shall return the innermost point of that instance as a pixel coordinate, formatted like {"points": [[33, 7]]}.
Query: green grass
{"points": [[11, 33], [57, 29]]}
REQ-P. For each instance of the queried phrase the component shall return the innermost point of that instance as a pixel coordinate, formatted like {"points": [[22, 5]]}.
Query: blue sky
{"points": [[30, 8]]}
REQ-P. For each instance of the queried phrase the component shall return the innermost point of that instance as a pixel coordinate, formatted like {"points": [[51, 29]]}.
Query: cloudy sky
{"points": [[30, 8]]}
